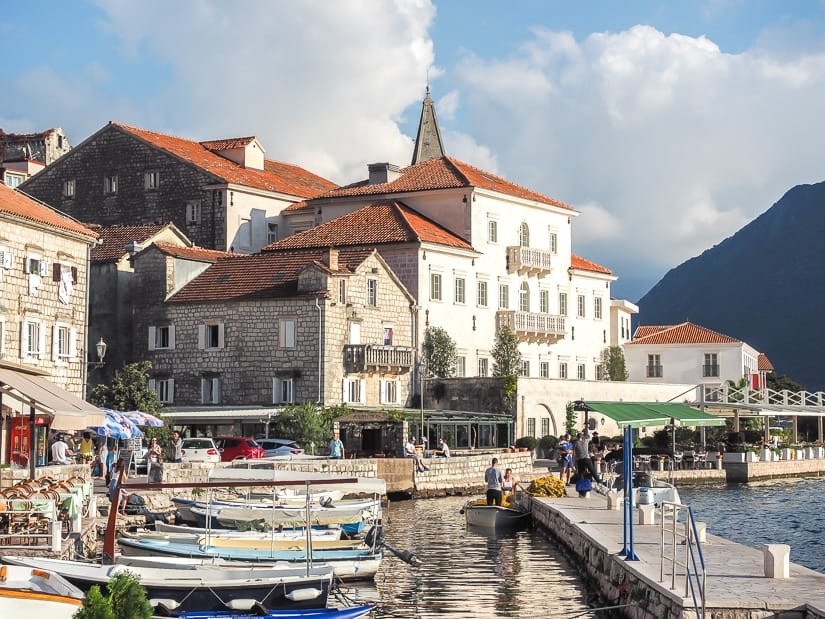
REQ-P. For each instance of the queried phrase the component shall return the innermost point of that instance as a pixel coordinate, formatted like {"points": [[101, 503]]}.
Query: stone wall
{"points": [[742, 472]]}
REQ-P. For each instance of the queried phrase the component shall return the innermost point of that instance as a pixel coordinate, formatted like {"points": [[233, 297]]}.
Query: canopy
{"points": [[117, 425], [654, 413], [139, 418], [68, 411]]}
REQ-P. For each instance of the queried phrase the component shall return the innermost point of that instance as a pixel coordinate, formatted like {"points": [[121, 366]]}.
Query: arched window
{"points": [[524, 298], [524, 235]]}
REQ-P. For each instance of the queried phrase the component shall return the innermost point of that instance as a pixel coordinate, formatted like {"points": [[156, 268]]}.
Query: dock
{"points": [[736, 587]]}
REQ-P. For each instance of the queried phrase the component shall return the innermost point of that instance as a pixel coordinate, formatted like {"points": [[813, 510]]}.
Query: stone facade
{"points": [[45, 147]]}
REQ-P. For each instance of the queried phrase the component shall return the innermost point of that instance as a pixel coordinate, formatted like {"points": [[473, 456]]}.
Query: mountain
{"points": [[764, 285]]}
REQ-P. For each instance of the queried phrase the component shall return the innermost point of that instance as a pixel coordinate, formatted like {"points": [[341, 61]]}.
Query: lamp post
{"points": [[421, 367], [101, 354]]}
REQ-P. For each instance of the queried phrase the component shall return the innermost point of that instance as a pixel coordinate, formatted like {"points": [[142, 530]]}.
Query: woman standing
{"points": [[508, 485]]}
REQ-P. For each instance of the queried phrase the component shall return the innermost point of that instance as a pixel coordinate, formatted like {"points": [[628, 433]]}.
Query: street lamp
{"points": [[421, 367], [101, 353]]}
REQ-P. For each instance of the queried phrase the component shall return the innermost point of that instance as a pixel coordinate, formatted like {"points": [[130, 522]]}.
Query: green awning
{"points": [[654, 413]]}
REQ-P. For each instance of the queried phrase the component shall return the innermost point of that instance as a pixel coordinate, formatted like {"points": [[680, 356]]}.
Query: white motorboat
{"points": [[316, 532], [33, 593], [479, 514]]}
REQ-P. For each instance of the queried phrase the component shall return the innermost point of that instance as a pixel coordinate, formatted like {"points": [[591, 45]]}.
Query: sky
{"points": [[667, 125]]}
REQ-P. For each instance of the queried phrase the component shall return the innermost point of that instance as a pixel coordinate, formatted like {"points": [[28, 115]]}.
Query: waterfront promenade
{"points": [[736, 588]]}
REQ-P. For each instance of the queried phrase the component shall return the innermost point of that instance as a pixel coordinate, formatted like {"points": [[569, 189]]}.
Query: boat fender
{"points": [[165, 606], [301, 595], [241, 604]]}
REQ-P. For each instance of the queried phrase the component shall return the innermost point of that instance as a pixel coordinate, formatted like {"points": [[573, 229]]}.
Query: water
{"points": [[770, 512], [470, 573]]}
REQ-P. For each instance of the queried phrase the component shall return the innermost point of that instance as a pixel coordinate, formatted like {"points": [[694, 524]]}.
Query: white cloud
{"points": [[595, 223]]}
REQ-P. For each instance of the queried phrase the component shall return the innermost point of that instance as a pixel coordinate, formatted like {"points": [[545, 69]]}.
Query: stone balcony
{"points": [[529, 261], [532, 327], [374, 358]]}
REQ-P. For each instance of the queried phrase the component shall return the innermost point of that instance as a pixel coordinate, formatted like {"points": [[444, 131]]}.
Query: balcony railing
{"points": [[528, 260], [373, 358], [532, 327]]}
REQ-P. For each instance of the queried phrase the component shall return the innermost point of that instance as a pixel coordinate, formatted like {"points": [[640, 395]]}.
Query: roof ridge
{"points": [[404, 211]]}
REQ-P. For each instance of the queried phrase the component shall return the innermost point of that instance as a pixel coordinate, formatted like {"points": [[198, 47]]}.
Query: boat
{"points": [[30, 593], [204, 587], [647, 488], [509, 516], [162, 527], [352, 517], [352, 612], [273, 540]]}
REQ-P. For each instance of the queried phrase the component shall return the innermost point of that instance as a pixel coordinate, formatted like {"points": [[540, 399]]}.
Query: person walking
{"points": [[581, 454], [336, 447], [494, 480], [565, 453]]}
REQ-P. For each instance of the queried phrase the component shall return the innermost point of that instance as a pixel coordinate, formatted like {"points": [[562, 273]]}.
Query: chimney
{"points": [[333, 259], [383, 173], [133, 247]]}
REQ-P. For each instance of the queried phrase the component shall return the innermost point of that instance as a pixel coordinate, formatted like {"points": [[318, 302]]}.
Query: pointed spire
{"points": [[428, 143]]}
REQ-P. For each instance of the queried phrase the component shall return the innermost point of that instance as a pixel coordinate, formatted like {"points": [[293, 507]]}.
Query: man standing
{"points": [[494, 480], [177, 447], [61, 454], [565, 453], [581, 454], [336, 447]]}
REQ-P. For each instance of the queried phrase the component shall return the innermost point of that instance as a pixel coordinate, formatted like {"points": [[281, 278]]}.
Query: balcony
{"points": [[374, 358], [528, 261], [531, 327]]}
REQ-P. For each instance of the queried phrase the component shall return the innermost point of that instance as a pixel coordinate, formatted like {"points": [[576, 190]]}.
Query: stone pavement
{"points": [[735, 573]]}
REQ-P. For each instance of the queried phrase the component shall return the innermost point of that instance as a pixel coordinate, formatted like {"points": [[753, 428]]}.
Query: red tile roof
{"points": [[227, 143], [645, 330], [276, 176], [582, 264], [685, 333], [18, 205], [443, 173], [375, 224], [113, 240], [763, 363], [268, 275], [194, 253]]}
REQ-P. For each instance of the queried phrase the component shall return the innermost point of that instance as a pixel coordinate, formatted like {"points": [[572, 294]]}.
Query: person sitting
{"points": [[509, 482], [443, 450], [410, 452], [61, 454]]}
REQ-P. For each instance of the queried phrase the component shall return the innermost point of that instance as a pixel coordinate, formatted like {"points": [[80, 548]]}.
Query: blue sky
{"points": [[668, 125]]}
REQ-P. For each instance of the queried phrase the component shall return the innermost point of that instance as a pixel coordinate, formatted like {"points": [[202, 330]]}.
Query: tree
{"points": [[126, 600], [308, 423], [570, 419], [439, 352], [129, 390], [507, 360], [614, 364]]}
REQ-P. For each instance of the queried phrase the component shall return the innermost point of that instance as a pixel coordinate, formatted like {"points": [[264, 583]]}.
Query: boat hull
{"points": [[320, 613], [34, 594], [495, 517]]}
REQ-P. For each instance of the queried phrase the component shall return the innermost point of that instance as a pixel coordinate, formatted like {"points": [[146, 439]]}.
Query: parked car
{"points": [[238, 447], [199, 450], [279, 447]]}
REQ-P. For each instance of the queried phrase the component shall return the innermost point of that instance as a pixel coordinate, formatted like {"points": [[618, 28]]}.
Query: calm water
{"points": [[775, 512], [468, 572]]}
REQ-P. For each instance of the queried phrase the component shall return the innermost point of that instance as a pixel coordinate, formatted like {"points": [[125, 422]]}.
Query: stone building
{"points": [[45, 147], [233, 341], [222, 194]]}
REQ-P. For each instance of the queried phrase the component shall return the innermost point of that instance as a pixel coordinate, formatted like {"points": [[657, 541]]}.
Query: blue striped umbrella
{"points": [[139, 418], [117, 425]]}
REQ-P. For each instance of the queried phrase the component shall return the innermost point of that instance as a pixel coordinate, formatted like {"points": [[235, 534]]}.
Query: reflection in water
{"points": [[469, 573]]}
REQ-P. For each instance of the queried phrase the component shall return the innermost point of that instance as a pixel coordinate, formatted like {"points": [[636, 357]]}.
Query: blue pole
{"points": [[627, 468]]}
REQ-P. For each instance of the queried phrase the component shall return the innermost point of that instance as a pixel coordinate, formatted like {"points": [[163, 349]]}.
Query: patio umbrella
{"points": [[118, 426], [139, 418]]}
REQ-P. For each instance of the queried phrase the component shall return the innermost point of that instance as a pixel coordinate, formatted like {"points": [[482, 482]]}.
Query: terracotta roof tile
{"points": [[645, 330], [227, 143], [375, 224], [276, 176], [113, 240], [582, 264], [685, 333], [17, 204], [443, 173], [194, 253], [763, 363]]}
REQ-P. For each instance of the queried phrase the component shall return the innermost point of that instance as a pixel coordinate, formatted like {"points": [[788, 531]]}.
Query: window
{"points": [[387, 336], [36, 266], [286, 333], [544, 301], [460, 284], [544, 369], [711, 366], [31, 339], [524, 370], [562, 369], [597, 308], [654, 366], [271, 232], [110, 184], [545, 426], [151, 181], [2, 338], [580, 306], [460, 366], [210, 390], [503, 296], [64, 343], [524, 297], [492, 231], [435, 286], [282, 390], [354, 391], [481, 294], [531, 426], [342, 291], [524, 235], [165, 388], [162, 337], [483, 365], [389, 392], [210, 336], [372, 292], [69, 188], [601, 374], [581, 371], [554, 243], [193, 212], [563, 304]]}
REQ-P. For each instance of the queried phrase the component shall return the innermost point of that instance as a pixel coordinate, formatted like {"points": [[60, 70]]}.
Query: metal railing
{"points": [[676, 535]]}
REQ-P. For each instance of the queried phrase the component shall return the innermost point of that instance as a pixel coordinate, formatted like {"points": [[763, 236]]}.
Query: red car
{"points": [[238, 448]]}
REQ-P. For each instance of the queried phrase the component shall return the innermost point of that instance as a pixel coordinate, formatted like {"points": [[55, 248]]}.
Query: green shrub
{"points": [[530, 442], [548, 442]]}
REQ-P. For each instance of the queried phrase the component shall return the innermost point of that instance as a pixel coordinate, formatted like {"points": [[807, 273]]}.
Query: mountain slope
{"points": [[764, 285]]}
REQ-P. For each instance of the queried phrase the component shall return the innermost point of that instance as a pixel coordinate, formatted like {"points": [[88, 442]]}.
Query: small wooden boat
{"points": [[252, 539], [244, 518], [207, 588], [316, 613], [509, 516], [28, 593], [161, 527]]}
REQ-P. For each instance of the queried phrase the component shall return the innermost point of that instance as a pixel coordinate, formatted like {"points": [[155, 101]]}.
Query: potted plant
{"points": [[527, 443]]}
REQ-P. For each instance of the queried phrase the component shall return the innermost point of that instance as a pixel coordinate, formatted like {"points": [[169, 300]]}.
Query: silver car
{"points": [[279, 447]]}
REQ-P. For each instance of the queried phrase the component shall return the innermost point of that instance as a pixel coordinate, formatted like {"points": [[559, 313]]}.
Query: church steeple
{"points": [[428, 141]]}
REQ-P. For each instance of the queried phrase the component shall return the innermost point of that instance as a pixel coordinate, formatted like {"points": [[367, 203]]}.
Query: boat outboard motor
{"points": [[375, 539]]}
